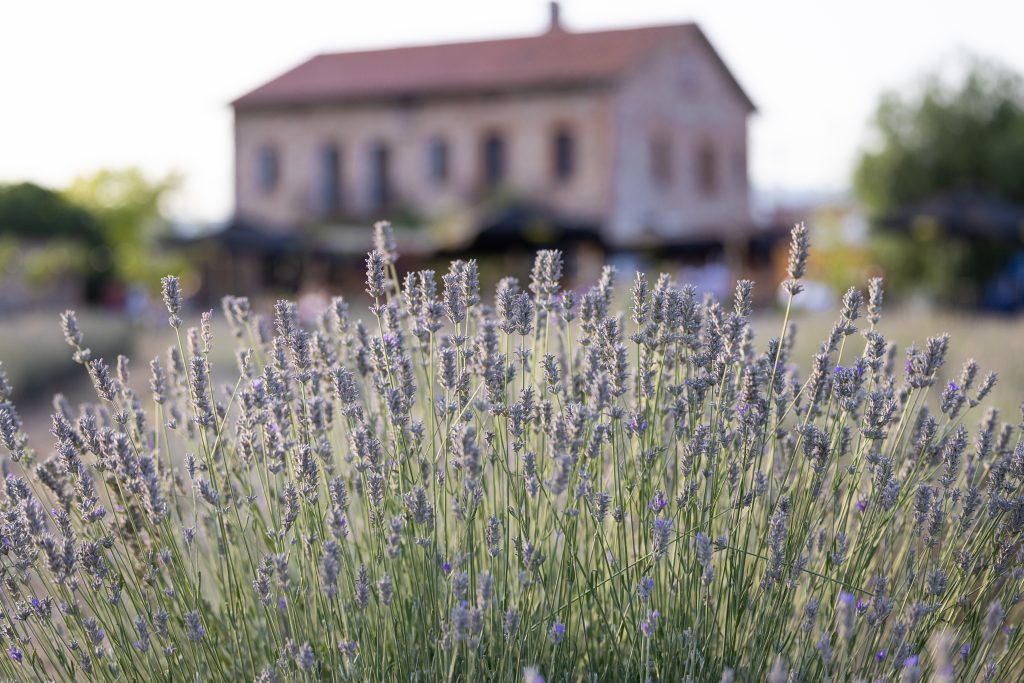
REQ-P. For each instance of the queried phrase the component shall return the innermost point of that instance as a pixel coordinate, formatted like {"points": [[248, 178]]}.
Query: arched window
{"points": [[267, 169], [660, 157], [437, 160], [494, 158], [328, 180], [563, 154], [740, 165], [380, 176], [707, 169]]}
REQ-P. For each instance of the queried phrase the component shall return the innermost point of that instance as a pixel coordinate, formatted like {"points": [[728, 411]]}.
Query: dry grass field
{"points": [[996, 342], [38, 362]]}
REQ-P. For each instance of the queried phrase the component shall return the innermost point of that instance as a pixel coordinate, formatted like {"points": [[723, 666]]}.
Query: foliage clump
{"points": [[545, 487], [947, 141]]}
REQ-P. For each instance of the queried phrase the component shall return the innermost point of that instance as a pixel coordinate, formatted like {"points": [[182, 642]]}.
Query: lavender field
{"points": [[529, 484]]}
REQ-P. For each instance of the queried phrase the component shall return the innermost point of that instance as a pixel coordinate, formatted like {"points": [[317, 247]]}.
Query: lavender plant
{"points": [[542, 488]]}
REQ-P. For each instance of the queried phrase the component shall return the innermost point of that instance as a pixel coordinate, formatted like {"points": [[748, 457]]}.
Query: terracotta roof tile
{"points": [[556, 58]]}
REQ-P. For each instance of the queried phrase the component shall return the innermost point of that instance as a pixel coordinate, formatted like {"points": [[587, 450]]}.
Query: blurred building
{"points": [[628, 139]]}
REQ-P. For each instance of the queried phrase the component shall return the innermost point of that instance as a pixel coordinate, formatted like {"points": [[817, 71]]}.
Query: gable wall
{"points": [[681, 94]]}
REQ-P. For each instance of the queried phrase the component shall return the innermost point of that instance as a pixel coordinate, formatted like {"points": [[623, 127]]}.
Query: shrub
{"points": [[545, 487]]}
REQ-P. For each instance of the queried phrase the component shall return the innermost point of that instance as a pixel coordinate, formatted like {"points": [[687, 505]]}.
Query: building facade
{"points": [[638, 134]]}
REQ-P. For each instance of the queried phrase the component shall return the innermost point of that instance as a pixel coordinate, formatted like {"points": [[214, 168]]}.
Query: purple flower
{"points": [[880, 655], [953, 386], [662, 535], [644, 589], [446, 568], [281, 604], [862, 605], [658, 503], [965, 650], [638, 423], [846, 598], [15, 654], [194, 629], [910, 661], [348, 647], [862, 505], [649, 624], [557, 632]]}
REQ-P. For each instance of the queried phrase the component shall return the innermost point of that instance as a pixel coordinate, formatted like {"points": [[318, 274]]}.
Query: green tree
{"points": [[966, 134], [940, 137], [28, 211], [43, 234], [130, 209]]}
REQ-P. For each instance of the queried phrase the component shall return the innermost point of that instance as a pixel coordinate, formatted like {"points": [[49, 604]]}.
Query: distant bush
{"points": [[104, 228], [937, 139], [32, 212], [542, 488]]}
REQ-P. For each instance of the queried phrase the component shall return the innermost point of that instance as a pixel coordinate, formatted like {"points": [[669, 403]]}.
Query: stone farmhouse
{"points": [[635, 137]]}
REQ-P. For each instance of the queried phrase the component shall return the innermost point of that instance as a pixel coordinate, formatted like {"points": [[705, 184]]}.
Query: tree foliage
{"points": [[28, 211], [129, 207], [945, 136], [105, 226]]}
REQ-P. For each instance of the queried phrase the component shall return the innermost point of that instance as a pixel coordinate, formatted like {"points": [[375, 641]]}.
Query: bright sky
{"points": [[85, 85]]}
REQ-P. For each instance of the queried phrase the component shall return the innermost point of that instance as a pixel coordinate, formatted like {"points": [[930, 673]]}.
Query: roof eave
{"points": [[725, 69], [250, 103]]}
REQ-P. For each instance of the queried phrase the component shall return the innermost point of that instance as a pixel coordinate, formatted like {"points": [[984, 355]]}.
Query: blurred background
{"points": [[249, 147]]}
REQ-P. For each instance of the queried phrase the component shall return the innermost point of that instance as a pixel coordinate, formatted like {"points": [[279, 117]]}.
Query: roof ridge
{"points": [[556, 58], [560, 33]]}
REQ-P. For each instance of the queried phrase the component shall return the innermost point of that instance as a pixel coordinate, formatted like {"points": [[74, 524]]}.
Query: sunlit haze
{"points": [[112, 83]]}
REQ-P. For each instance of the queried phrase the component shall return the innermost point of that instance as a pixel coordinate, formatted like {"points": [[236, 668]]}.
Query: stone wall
{"points": [[680, 95], [527, 122]]}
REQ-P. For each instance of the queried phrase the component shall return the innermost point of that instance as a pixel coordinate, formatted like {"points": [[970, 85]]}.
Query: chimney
{"points": [[555, 14]]}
